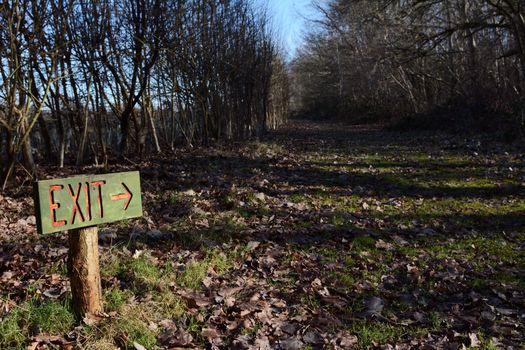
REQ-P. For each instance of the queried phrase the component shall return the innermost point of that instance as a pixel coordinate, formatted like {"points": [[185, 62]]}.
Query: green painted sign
{"points": [[89, 200]]}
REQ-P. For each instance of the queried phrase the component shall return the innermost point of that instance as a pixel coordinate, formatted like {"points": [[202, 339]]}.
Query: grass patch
{"points": [[369, 333], [436, 322], [251, 331], [174, 199], [195, 271], [346, 279], [115, 298], [132, 325], [311, 301], [193, 274], [145, 270], [266, 148], [58, 268], [135, 324], [337, 220], [53, 317], [366, 242], [111, 265], [168, 305], [303, 225], [296, 198]]}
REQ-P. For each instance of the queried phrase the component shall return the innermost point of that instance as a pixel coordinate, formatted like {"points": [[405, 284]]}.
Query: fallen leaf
{"points": [[137, 346], [190, 193], [474, 340], [195, 301], [380, 244], [252, 245], [291, 344], [210, 333], [346, 340], [313, 337], [228, 292]]}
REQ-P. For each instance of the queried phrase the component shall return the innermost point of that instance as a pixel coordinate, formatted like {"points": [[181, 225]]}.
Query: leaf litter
{"points": [[321, 237]]}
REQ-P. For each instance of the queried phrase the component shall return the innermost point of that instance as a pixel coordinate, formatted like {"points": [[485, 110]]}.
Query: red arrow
{"points": [[128, 195]]}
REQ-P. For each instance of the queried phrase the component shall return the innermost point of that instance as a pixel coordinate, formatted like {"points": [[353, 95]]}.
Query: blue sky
{"points": [[290, 19]]}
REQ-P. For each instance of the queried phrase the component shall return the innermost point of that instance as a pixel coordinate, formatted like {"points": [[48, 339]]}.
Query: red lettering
{"points": [[99, 199], [53, 206], [88, 201], [76, 208]]}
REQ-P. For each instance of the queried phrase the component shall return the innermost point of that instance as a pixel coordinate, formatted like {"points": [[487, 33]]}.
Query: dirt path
{"points": [[321, 236]]}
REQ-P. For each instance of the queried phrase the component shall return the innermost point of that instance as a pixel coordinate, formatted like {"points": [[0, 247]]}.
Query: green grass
{"points": [[195, 271], [436, 322], [131, 325], [145, 270], [311, 301], [346, 279], [486, 342], [149, 300], [167, 305], [337, 220], [376, 332], [53, 317], [515, 280], [135, 326], [174, 199], [266, 147], [112, 265], [364, 242], [146, 299], [296, 198], [115, 298], [59, 268], [193, 325]]}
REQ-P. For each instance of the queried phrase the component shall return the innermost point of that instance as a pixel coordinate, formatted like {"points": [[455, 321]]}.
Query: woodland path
{"points": [[319, 236]]}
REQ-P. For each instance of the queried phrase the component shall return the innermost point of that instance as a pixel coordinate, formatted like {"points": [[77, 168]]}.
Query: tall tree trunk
{"points": [[27, 152]]}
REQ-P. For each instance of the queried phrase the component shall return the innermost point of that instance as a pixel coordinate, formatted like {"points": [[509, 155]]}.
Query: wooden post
{"points": [[78, 204], [84, 271]]}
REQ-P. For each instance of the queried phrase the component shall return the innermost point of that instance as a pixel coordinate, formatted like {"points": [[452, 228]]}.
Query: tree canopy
{"points": [[396, 58]]}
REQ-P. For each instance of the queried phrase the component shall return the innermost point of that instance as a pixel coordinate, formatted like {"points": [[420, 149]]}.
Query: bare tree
{"points": [[23, 32], [394, 58], [105, 77]]}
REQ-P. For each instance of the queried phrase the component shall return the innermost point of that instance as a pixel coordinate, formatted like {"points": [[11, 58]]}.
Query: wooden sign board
{"points": [[82, 201]]}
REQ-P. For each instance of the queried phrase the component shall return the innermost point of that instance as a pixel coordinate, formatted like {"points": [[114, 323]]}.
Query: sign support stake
{"points": [[84, 271]]}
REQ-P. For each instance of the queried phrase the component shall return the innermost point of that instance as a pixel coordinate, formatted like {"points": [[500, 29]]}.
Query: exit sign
{"points": [[82, 201]]}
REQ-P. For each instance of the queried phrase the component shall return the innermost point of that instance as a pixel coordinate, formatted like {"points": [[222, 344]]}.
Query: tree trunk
{"points": [[83, 139], [153, 128], [7, 170], [29, 161], [44, 132], [519, 24], [124, 133]]}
